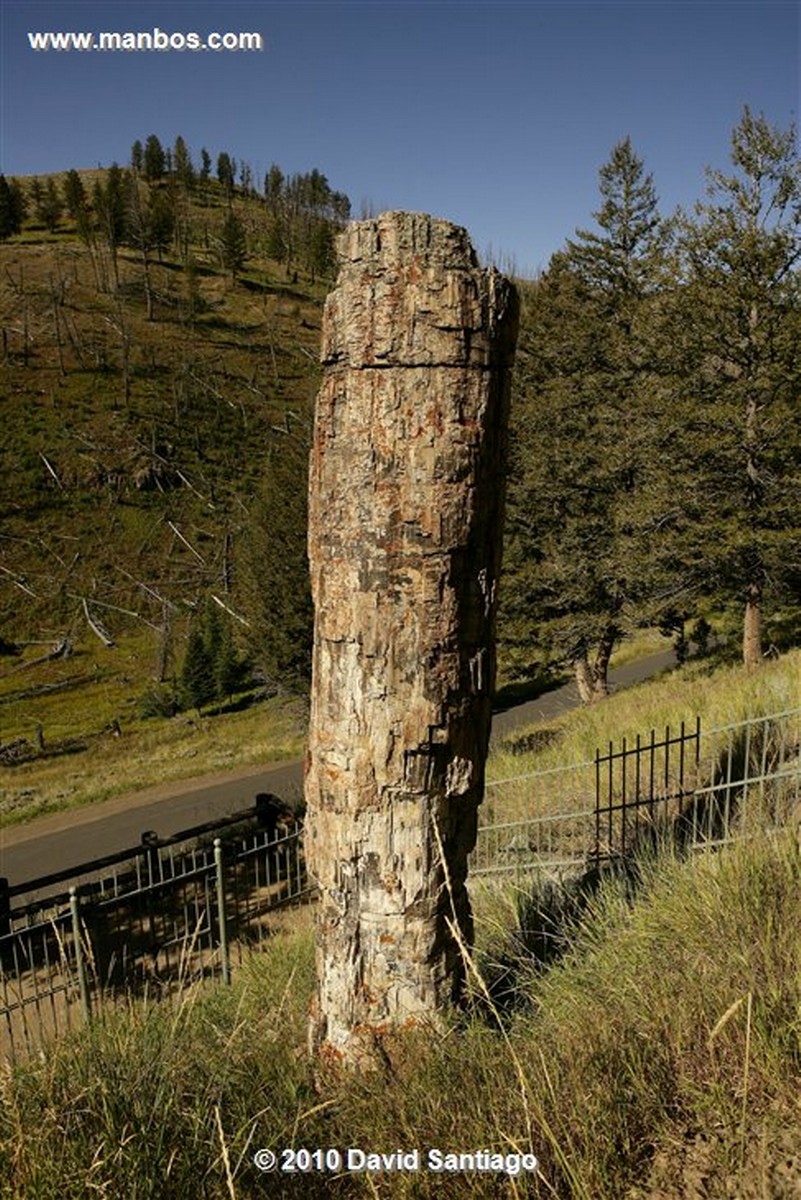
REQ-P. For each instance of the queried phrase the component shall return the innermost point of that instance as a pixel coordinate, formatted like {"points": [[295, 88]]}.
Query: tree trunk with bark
{"points": [[752, 626], [406, 494], [592, 678]]}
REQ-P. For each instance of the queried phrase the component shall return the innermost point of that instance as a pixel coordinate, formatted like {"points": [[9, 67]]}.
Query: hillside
{"points": [[159, 362], [140, 416]]}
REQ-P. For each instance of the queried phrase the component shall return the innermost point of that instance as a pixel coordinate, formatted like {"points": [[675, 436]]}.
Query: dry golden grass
{"points": [[723, 696]]}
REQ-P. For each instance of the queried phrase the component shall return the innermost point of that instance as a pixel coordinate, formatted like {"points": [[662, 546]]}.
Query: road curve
{"points": [[61, 840]]}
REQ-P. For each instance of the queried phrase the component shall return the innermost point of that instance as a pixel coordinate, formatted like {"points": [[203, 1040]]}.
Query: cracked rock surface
{"points": [[406, 495]]}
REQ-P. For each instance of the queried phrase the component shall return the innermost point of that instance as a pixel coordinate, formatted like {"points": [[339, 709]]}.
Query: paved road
{"points": [[63, 840]]}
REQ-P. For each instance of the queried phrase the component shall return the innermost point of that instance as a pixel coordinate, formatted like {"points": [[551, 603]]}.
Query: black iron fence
{"points": [[692, 788], [641, 789], [151, 918]]}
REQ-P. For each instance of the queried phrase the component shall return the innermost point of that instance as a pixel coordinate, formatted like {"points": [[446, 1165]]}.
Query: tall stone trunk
{"points": [[405, 511]]}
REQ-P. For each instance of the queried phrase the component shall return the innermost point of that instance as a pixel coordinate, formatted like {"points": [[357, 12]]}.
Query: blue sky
{"points": [[494, 115]]}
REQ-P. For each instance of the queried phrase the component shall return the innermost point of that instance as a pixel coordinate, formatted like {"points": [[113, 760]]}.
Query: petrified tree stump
{"points": [[406, 494]]}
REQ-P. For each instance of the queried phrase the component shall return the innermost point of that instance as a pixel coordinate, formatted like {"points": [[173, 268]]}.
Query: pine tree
{"points": [[154, 159], [226, 664], [580, 477], [110, 211], [161, 221], [182, 164], [226, 173], [197, 675], [321, 258], [50, 205], [233, 246], [735, 327], [273, 186], [75, 197], [12, 209], [137, 157], [273, 573]]}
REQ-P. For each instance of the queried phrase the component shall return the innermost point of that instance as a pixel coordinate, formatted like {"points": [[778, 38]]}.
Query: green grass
{"points": [[105, 686], [668, 1037]]}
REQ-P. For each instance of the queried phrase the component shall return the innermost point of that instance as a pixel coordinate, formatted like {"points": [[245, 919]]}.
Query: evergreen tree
{"points": [[273, 571], [322, 259], [35, 193], [75, 198], [12, 208], [110, 211], [137, 157], [50, 205], [226, 172], [274, 186], [735, 328], [580, 487], [205, 164], [161, 221], [149, 224], [233, 246], [182, 164], [154, 159], [226, 664], [211, 669], [197, 675]]}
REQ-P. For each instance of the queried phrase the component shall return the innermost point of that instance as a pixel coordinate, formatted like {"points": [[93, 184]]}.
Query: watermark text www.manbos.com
{"points": [[143, 42], [355, 1160]]}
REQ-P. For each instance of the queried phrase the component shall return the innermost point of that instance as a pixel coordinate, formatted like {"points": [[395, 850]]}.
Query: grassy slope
{"points": [[661, 1058], [720, 695], [666, 1049], [104, 686], [209, 394], [94, 486]]}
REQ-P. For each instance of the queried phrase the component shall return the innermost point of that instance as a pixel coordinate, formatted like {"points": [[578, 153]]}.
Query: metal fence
{"points": [[692, 788], [150, 919], [170, 912]]}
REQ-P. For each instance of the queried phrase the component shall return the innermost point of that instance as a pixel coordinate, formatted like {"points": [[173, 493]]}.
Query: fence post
{"points": [[151, 841], [83, 986], [597, 807], [5, 908], [221, 918]]}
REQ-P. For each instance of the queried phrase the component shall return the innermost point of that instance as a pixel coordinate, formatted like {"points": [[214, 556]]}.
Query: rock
{"points": [[406, 495]]}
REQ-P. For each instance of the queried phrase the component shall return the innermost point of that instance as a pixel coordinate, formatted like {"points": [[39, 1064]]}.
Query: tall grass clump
{"points": [[158, 1099], [674, 1015]]}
